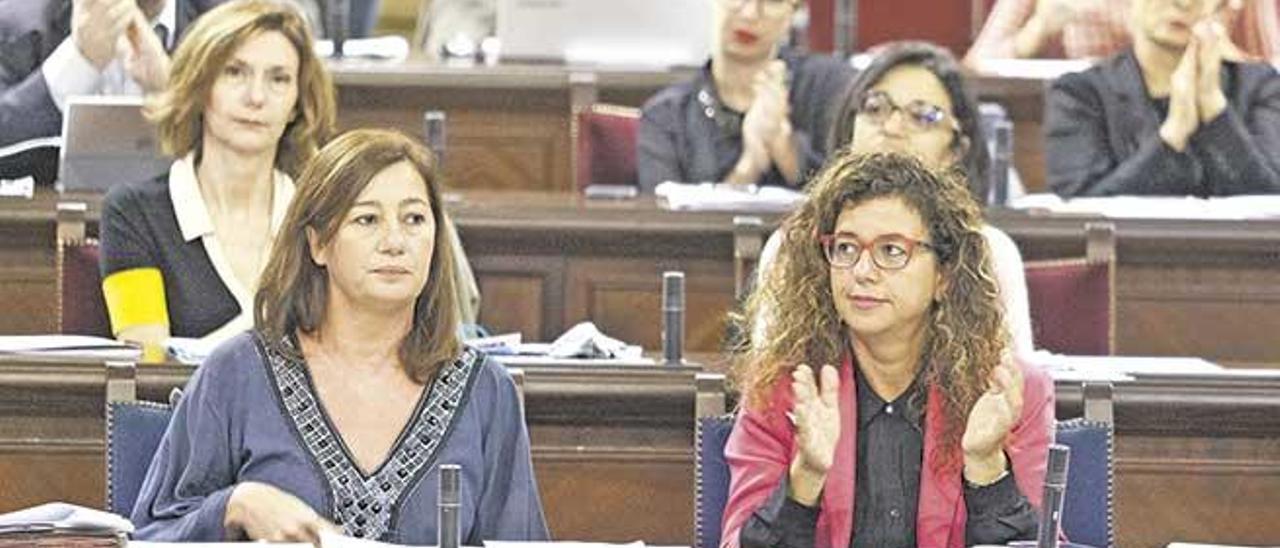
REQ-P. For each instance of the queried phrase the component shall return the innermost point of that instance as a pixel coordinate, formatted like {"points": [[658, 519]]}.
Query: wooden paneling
{"points": [[507, 126], [624, 299], [639, 487], [1195, 490], [500, 139], [39, 474], [1197, 457], [521, 294], [1184, 287], [28, 285]]}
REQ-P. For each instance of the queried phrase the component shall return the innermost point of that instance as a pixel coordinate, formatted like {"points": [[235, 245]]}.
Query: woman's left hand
{"points": [[990, 421]]}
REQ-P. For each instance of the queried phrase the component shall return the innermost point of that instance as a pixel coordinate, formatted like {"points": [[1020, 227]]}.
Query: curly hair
{"points": [[966, 337], [178, 111]]}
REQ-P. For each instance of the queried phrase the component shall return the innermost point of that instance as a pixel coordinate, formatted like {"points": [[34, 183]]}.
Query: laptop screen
{"points": [[609, 32], [106, 141]]}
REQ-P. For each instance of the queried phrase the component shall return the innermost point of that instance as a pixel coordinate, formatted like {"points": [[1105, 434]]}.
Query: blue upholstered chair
{"points": [[1087, 504], [712, 473], [134, 431]]}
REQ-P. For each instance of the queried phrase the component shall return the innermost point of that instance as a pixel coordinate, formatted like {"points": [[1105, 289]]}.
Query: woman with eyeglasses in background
{"points": [[757, 113], [882, 406], [913, 99]]}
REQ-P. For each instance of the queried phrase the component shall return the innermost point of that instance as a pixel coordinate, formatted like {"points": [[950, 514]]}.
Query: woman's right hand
{"points": [[816, 415], [267, 513]]}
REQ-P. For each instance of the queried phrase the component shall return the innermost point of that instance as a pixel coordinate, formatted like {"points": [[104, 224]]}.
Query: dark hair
{"points": [[295, 290], [971, 144]]}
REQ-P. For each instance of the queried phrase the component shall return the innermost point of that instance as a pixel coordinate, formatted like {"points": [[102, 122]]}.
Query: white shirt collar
{"points": [[193, 214], [169, 19]]}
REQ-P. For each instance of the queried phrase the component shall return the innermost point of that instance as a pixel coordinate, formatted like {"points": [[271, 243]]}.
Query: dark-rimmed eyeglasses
{"points": [[877, 107], [888, 252]]}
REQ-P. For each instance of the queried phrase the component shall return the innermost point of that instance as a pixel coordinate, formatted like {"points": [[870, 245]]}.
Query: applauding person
{"points": [[882, 407], [757, 113], [1171, 116]]}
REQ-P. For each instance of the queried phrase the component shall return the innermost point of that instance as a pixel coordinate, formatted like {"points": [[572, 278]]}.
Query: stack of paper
{"points": [[727, 197], [391, 48], [69, 345], [1156, 207], [62, 524]]}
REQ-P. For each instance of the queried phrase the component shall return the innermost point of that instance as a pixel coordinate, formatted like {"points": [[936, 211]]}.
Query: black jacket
{"points": [[1101, 135]]}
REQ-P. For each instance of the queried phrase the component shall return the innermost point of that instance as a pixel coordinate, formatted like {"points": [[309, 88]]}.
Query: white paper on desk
{"points": [[497, 345], [561, 544], [727, 197], [1156, 207], [585, 340], [391, 48], [1198, 545], [61, 515], [69, 345], [242, 544], [1038, 69], [191, 351], [1118, 367], [336, 540]]}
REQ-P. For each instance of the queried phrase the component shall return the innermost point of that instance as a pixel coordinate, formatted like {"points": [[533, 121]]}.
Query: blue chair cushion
{"points": [[1087, 504], [134, 431], [712, 478]]}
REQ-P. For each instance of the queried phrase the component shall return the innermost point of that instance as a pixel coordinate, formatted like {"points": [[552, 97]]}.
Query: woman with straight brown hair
{"points": [[248, 102], [337, 410]]}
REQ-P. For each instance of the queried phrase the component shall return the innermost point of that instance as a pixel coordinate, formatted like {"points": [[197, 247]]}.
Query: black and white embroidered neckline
{"points": [[364, 505]]}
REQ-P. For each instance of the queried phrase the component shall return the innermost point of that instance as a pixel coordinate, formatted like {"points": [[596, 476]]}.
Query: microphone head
{"points": [[450, 484], [1056, 475], [673, 290]]}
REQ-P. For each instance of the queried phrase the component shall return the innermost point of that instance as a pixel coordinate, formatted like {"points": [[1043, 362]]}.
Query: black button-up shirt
{"points": [[887, 490], [688, 136], [890, 453]]}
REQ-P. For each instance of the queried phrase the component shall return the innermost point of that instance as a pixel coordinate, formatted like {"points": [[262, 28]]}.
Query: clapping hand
{"points": [[816, 415], [990, 421], [1209, 42], [765, 122], [96, 25], [144, 56], [1056, 14]]}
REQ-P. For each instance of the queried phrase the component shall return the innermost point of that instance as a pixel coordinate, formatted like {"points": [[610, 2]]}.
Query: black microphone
{"points": [[673, 317], [1002, 156], [1055, 485], [433, 133], [339, 17], [450, 504]]}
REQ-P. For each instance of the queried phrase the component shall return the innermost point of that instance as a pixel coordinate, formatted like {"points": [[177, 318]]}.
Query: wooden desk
{"points": [[1197, 456], [509, 125], [612, 447], [1023, 100], [546, 261]]}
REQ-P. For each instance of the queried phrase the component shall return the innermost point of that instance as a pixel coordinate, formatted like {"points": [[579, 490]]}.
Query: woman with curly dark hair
{"points": [[882, 406]]}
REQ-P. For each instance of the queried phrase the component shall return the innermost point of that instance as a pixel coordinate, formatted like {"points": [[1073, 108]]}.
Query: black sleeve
{"points": [[998, 513], [780, 523], [657, 159], [125, 241], [830, 80], [1079, 160], [1240, 149]]}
